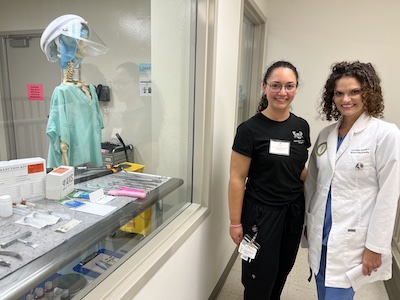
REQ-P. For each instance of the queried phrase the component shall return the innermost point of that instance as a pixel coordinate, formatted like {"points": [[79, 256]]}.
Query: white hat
{"points": [[71, 26]]}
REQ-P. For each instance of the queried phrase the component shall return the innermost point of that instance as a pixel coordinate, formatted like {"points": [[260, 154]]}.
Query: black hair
{"points": [[279, 64]]}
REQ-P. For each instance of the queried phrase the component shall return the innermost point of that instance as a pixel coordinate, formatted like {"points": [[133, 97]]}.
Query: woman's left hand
{"points": [[371, 261]]}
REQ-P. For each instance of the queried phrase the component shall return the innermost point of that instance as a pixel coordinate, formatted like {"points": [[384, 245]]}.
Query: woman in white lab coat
{"points": [[352, 185]]}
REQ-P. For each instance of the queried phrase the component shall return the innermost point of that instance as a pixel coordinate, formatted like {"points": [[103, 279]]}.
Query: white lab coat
{"points": [[364, 175]]}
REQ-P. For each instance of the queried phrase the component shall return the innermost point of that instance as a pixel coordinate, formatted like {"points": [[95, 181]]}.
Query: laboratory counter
{"points": [[56, 234]]}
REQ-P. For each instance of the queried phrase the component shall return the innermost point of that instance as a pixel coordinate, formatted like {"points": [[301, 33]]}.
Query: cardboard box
{"points": [[23, 179], [59, 182]]}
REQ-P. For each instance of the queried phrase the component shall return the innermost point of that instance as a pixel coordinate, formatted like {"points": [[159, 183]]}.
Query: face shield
{"points": [[69, 38]]}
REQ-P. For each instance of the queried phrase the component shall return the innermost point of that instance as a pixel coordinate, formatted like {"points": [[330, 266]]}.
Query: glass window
{"points": [[145, 87], [246, 62]]}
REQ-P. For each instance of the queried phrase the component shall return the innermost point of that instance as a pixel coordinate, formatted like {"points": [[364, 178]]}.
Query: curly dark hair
{"points": [[371, 92], [279, 64]]}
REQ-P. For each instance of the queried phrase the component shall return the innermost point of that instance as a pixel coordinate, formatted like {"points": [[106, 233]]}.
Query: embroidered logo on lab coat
{"points": [[321, 149], [359, 166]]}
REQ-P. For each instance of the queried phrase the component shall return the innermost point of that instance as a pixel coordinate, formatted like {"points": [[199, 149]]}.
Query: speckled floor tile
{"points": [[297, 287]]}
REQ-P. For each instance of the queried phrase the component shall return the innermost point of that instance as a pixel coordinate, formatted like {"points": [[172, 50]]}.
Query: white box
{"points": [[60, 182], [23, 179]]}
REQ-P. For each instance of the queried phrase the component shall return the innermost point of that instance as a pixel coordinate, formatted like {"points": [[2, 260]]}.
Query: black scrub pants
{"points": [[279, 231]]}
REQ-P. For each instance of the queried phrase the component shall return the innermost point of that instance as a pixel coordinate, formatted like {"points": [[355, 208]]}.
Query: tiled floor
{"points": [[297, 287]]}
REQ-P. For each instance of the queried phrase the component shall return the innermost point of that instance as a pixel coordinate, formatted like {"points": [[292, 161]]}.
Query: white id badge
{"points": [[279, 147], [248, 248]]}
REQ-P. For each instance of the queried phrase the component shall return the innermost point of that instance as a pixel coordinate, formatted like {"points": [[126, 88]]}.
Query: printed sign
{"points": [[35, 91]]}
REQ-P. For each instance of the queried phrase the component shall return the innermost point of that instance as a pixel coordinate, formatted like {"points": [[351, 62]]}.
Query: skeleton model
{"points": [[75, 123]]}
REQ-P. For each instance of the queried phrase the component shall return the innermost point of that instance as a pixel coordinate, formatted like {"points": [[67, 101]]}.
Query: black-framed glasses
{"points": [[277, 87]]}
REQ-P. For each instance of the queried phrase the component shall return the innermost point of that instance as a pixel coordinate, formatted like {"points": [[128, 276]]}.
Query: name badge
{"points": [[248, 248], [279, 147]]}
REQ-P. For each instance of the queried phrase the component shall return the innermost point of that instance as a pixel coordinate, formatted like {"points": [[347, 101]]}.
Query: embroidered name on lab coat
{"points": [[360, 151]]}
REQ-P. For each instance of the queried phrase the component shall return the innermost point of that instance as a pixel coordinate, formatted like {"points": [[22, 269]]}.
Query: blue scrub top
{"points": [[76, 120], [328, 211]]}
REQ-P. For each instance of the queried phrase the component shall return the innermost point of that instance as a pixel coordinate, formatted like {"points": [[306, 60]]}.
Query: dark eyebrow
{"points": [[290, 82]]}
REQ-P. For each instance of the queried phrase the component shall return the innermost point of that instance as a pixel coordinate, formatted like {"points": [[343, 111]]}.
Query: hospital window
{"points": [[146, 95]]}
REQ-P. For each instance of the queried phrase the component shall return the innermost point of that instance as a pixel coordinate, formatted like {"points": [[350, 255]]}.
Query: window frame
{"points": [[131, 276]]}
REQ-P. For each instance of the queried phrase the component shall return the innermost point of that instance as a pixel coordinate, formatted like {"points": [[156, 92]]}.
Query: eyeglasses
{"points": [[277, 87]]}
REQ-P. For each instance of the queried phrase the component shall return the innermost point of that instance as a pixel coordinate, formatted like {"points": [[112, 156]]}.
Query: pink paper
{"points": [[35, 91]]}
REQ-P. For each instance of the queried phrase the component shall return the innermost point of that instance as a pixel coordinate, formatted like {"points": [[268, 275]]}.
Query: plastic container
{"points": [[57, 293], [65, 295], [5, 206], [39, 293], [49, 290]]}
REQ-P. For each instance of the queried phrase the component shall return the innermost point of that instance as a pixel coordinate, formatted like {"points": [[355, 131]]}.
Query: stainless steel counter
{"points": [[56, 250]]}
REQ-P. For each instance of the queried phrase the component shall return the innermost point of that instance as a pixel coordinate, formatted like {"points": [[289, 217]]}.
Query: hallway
{"points": [[297, 287]]}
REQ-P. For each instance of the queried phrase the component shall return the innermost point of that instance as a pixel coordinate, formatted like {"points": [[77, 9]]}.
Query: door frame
{"points": [[254, 14], [7, 141]]}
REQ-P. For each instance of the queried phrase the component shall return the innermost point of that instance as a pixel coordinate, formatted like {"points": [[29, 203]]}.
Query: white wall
{"points": [[314, 34], [3, 148]]}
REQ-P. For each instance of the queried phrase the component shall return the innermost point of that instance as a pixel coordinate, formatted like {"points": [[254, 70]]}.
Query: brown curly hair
{"points": [[371, 92]]}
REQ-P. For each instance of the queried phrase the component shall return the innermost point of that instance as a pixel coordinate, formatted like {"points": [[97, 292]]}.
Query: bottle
{"points": [[57, 293], [49, 290], [5, 206], [65, 295], [39, 293], [30, 297]]}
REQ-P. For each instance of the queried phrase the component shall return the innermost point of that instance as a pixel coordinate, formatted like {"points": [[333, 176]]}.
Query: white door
{"points": [[26, 119], [246, 70]]}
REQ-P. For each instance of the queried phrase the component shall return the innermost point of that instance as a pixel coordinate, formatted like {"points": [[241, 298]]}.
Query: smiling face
{"points": [[280, 98], [348, 98]]}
